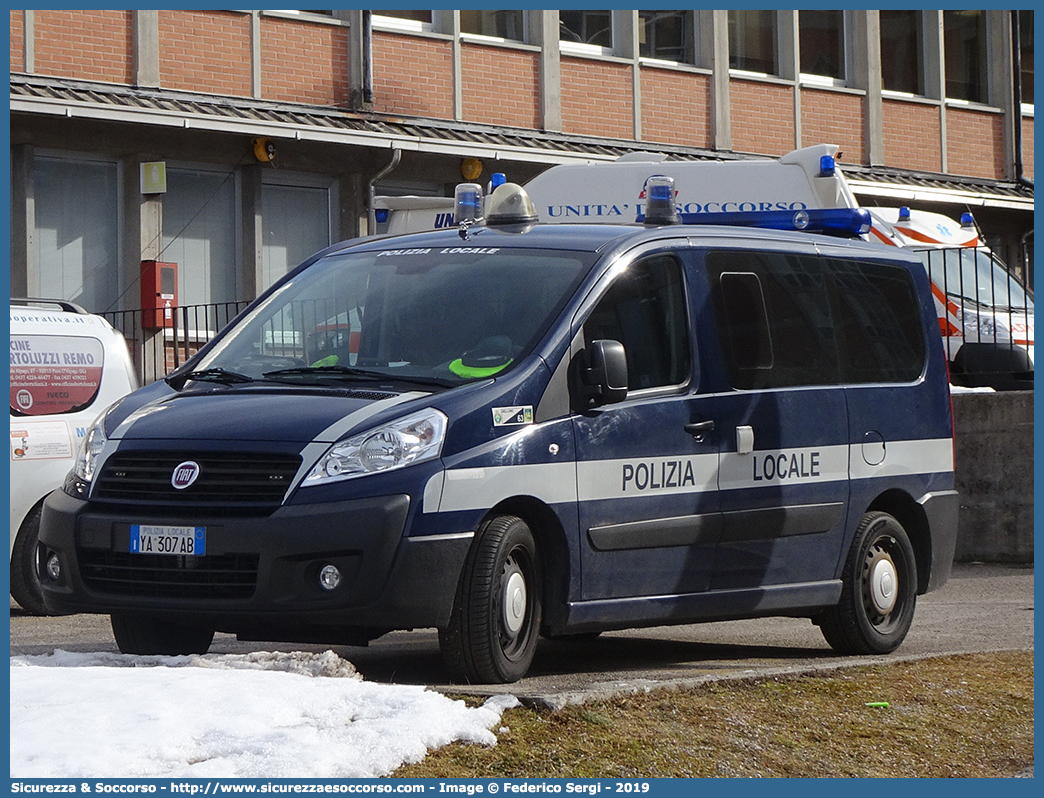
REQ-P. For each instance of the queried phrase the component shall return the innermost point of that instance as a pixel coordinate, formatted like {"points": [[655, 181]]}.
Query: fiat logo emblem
{"points": [[184, 474]]}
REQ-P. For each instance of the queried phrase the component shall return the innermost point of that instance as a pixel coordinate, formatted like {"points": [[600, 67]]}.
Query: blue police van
{"points": [[509, 430]]}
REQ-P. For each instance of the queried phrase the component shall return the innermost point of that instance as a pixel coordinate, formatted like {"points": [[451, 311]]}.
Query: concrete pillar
{"points": [[550, 71], [24, 277], [1000, 81], [142, 240], [146, 48], [29, 41], [360, 89], [864, 69], [625, 45], [935, 73], [714, 45], [250, 277], [787, 34]]}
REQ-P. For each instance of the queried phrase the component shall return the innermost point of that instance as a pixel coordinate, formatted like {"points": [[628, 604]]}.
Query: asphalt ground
{"points": [[984, 607]]}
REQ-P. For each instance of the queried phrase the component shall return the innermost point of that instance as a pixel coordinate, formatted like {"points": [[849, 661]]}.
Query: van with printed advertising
{"points": [[511, 429], [985, 313], [67, 365]]}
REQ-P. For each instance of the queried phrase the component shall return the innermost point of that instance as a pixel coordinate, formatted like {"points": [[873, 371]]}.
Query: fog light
{"points": [[329, 577], [54, 567]]}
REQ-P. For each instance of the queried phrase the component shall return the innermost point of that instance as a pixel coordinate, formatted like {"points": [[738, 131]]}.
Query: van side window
{"points": [[645, 311], [880, 323], [774, 319]]}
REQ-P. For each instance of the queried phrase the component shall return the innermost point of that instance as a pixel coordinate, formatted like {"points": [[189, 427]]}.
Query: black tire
{"points": [[25, 578], [879, 593], [495, 624], [147, 634]]}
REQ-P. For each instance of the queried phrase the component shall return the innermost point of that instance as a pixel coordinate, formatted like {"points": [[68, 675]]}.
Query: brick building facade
{"points": [[356, 102]]}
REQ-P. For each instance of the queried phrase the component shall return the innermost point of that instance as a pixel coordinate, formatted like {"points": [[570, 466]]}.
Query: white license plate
{"points": [[186, 540]]}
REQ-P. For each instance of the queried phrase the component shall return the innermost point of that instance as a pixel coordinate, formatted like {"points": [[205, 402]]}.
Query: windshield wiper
{"points": [[352, 373], [973, 300], [223, 376]]}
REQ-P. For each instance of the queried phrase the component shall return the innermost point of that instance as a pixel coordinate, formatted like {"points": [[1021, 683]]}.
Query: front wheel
{"points": [[879, 590], [25, 579], [495, 623], [148, 634]]}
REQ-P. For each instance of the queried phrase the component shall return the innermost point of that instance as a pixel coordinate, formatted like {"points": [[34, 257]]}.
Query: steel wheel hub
{"points": [[884, 584], [515, 600]]}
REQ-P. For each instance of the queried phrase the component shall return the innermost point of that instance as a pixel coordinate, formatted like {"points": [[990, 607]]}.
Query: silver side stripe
{"points": [[652, 476], [782, 467], [555, 483], [906, 457], [481, 488]]}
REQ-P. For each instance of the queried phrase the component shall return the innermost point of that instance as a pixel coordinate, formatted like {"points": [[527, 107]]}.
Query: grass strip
{"points": [[965, 716]]}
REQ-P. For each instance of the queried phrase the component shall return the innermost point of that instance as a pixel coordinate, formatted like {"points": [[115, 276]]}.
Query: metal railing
{"points": [[985, 316], [160, 340]]}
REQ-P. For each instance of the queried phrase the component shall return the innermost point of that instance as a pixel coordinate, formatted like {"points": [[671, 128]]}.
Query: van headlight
{"points": [[409, 440], [87, 457]]}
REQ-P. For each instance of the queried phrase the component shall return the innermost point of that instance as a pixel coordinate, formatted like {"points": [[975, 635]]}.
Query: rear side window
{"points": [[880, 323], [793, 320], [54, 374], [644, 309], [774, 319]]}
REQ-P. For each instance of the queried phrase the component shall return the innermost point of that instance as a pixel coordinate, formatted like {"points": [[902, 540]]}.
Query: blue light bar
{"points": [[904, 214], [847, 222], [467, 202], [659, 204], [827, 166], [967, 220]]}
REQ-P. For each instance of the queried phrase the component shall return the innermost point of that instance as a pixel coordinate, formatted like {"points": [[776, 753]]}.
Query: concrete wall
{"points": [[994, 435]]}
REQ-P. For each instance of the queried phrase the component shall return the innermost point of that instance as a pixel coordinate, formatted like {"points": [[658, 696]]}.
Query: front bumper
{"points": [[259, 576]]}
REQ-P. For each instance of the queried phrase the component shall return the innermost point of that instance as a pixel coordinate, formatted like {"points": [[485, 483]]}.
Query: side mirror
{"points": [[605, 376]]}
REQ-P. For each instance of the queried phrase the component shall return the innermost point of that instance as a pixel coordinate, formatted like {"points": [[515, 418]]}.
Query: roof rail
{"points": [[63, 304]]}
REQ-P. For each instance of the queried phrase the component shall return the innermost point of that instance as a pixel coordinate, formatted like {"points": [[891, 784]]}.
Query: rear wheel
{"points": [[25, 579], [495, 623], [148, 634], [879, 591]]}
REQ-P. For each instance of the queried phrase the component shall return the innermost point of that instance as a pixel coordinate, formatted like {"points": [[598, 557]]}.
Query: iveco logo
{"points": [[184, 475]]}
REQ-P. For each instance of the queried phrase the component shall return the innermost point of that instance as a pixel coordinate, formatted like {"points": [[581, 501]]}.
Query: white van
{"points": [[67, 365]]}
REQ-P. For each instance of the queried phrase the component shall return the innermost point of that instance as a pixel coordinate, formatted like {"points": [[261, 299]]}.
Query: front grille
{"points": [[223, 576], [229, 478]]}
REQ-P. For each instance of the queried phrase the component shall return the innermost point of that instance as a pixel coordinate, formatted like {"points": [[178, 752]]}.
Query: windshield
{"points": [[433, 316], [978, 275]]}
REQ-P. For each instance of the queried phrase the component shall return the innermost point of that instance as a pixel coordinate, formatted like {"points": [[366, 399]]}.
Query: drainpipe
{"points": [[1016, 43], [388, 169]]}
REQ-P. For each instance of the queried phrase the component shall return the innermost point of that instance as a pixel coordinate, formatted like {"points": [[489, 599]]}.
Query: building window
{"points": [[822, 43], [667, 35], [586, 27], [199, 234], [964, 37], [752, 41], [902, 52], [1026, 55], [500, 23], [77, 232], [415, 16]]}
